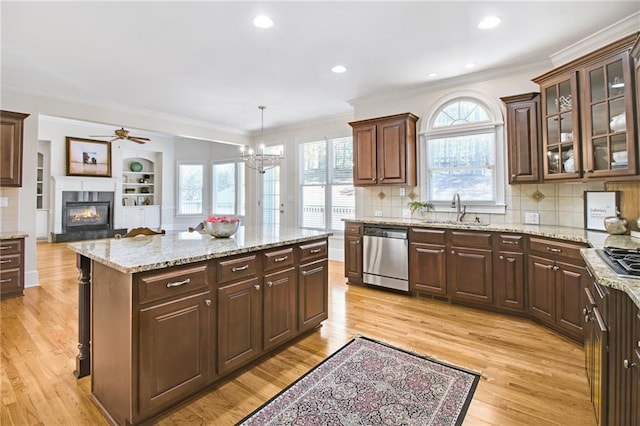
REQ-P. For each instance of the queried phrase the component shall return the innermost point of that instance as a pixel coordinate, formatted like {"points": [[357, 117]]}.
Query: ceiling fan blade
{"points": [[100, 136], [138, 140]]}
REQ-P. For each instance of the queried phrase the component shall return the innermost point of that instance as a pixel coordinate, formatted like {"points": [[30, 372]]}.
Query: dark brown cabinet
{"points": [[588, 119], [280, 293], [11, 146], [313, 294], [11, 267], [509, 272], [596, 352], [353, 252], [557, 277], [174, 351], [384, 150], [470, 266], [523, 137], [427, 261]]}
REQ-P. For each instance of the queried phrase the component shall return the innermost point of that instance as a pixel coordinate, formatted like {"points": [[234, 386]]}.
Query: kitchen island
{"points": [[163, 317]]}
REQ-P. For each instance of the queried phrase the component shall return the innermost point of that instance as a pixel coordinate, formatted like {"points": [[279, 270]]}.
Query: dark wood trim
{"points": [[83, 359]]}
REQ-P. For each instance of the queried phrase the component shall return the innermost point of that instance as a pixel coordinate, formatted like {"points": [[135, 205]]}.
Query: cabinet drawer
{"points": [[233, 269], [13, 261], [556, 248], [426, 235], [173, 282], [470, 239], [315, 250], [352, 228], [10, 280], [10, 247], [509, 242], [276, 259]]}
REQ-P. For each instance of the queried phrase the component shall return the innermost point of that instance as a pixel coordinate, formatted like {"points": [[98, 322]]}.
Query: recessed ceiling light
{"points": [[262, 21], [489, 22], [339, 69], [432, 74], [469, 65]]}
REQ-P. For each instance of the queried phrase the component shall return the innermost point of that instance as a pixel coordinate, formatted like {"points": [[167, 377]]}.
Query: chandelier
{"points": [[260, 161]]}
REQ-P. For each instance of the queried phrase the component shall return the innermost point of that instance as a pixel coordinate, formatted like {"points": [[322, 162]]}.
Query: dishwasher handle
{"points": [[375, 231]]}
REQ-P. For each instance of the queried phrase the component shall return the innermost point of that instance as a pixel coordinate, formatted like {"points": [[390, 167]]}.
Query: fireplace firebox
{"points": [[86, 216]]}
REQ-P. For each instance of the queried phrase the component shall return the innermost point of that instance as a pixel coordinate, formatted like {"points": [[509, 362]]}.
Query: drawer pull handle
{"points": [[554, 250], [352, 229], [280, 259], [6, 280], [5, 261], [312, 271], [315, 251], [627, 364], [240, 268], [5, 247], [510, 242], [179, 283]]}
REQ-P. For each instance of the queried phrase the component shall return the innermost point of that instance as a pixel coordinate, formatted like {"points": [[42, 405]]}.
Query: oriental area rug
{"points": [[367, 382]]}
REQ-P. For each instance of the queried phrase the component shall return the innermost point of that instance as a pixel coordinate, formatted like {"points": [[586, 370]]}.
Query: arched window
{"points": [[463, 154]]}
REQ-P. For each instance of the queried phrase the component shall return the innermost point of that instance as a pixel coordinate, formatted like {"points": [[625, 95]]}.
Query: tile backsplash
{"points": [[555, 203], [9, 215]]}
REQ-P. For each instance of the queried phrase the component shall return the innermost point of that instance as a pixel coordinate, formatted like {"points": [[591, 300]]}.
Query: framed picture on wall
{"points": [[86, 157], [597, 206]]}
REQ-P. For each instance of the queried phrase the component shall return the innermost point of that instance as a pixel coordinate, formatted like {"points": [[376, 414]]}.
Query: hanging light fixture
{"points": [[260, 161]]}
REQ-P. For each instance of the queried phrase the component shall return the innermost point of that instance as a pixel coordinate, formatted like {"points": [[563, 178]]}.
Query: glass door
{"points": [[561, 129], [272, 204], [607, 131]]}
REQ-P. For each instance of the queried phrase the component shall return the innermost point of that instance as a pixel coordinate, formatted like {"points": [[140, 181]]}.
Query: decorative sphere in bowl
{"points": [[221, 227]]}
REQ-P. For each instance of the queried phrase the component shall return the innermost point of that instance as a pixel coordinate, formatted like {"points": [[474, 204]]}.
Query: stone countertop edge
{"points": [[147, 253], [601, 272], [13, 235]]}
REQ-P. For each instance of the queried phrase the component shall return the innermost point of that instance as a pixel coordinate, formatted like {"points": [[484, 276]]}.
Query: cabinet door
{"points": [[280, 293], [542, 289], [523, 137], [353, 258], [132, 217], [239, 324], [151, 216], [364, 155], [313, 295], [391, 152], [598, 369], [561, 128], [571, 280], [470, 273], [610, 148], [174, 351], [509, 280], [11, 126], [428, 268]]}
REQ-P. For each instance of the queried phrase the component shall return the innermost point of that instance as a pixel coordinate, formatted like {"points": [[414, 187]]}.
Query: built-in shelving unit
{"points": [[40, 181], [138, 187]]}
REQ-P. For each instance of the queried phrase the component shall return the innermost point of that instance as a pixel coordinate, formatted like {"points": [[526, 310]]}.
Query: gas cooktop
{"points": [[624, 262]]}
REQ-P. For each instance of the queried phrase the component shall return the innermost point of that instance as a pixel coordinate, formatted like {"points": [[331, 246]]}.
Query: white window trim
{"points": [[237, 187], [177, 189], [497, 125]]}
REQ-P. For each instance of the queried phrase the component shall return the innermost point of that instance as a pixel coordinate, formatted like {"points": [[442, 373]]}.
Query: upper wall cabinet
{"points": [[11, 148], [523, 137], [588, 121], [384, 150]]}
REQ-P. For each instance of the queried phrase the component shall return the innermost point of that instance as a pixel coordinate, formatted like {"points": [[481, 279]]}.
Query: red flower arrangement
{"points": [[222, 219]]}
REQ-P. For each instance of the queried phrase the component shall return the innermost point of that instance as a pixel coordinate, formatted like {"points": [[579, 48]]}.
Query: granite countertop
{"points": [[602, 273], [146, 253], [12, 235]]}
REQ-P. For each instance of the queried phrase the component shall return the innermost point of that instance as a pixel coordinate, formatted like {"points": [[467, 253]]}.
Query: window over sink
{"points": [[462, 153]]}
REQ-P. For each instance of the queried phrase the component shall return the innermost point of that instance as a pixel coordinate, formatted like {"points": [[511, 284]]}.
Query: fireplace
{"points": [[86, 216]]}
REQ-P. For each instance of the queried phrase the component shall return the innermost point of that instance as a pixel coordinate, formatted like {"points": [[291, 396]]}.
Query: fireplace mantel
{"points": [[80, 183]]}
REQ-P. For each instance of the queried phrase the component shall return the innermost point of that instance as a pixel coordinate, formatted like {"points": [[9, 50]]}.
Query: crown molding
{"points": [[608, 35], [452, 82], [119, 108]]}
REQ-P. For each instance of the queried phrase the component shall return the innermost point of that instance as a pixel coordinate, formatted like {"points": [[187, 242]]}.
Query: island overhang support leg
{"points": [[83, 359]]}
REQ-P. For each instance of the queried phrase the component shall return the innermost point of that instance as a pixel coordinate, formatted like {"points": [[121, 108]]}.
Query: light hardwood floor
{"points": [[530, 375]]}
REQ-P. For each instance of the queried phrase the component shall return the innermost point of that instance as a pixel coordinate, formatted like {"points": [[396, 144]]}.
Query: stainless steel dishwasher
{"points": [[386, 257]]}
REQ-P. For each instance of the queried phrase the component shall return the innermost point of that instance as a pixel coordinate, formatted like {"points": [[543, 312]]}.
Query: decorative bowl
{"points": [[135, 166], [221, 229]]}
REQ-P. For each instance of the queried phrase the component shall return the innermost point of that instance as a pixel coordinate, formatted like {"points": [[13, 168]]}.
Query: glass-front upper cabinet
{"points": [[607, 102], [560, 127]]}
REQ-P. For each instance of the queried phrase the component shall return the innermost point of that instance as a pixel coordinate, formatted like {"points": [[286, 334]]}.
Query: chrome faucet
{"points": [[460, 210]]}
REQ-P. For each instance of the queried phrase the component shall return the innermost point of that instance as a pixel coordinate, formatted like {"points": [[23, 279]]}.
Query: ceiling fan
{"points": [[122, 133]]}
